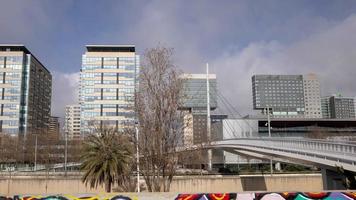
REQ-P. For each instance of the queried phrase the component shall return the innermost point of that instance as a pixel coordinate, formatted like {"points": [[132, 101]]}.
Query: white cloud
{"points": [[331, 54], [64, 91]]}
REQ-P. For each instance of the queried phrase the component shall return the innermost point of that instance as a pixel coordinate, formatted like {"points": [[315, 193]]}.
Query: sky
{"points": [[238, 38]]}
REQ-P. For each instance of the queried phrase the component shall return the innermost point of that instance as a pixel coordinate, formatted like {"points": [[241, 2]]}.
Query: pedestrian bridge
{"points": [[326, 154]]}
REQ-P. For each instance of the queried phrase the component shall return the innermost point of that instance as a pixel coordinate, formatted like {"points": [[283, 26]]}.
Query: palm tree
{"points": [[105, 157]]}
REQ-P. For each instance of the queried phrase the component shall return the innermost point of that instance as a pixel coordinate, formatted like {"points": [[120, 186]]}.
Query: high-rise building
{"points": [[325, 107], [108, 80], [195, 96], [338, 107], [72, 121], [26, 87], [195, 104], [53, 128], [312, 96], [283, 94], [287, 96]]}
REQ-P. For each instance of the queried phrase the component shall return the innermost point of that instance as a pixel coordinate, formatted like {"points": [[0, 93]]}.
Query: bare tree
{"points": [[160, 120], [8, 149]]}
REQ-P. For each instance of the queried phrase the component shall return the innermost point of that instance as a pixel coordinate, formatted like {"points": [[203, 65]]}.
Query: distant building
{"points": [[53, 128], [338, 107], [325, 107], [312, 96], [194, 104], [26, 87], [194, 93], [72, 121], [287, 96], [283, 94], [108, 80]]}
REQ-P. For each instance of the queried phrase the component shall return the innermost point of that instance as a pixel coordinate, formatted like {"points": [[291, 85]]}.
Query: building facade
{"points": [[282, 94], [72, 121], [195, 92], [107, 86], [54, 126], [312, 96], [325, 107], [195, 105], [287, 96], [26, 87], [338, 107]]}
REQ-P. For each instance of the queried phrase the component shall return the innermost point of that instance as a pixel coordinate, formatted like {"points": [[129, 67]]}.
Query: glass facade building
{"points": [[194, 92], [26, 88], [108, 80]]}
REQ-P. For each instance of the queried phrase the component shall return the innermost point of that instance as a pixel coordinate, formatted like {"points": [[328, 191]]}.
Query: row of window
{"points": [[11, 66], [93, 106], [97, 114], [96, 59], [11, 59], [11, 74], [278, 105], [93, 98], [124, 67], [10, 122]]}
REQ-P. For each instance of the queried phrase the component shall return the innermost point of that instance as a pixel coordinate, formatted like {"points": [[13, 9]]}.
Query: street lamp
{"points": [[35, 167], [65, 153], [269, 135], [137, 159]]}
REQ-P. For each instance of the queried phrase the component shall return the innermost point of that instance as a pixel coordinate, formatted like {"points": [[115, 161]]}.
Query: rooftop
{"points": [[197, 76], [110, 48], [14, 47], [20, 47]]}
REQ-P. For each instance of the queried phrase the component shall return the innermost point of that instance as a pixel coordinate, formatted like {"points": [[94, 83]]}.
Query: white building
{"points": [[108, 80], [72, 121], [312, 97]]}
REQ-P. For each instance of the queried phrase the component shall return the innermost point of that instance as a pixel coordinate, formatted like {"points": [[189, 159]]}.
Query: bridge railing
{"points": [[331, 150], [318, 145]]}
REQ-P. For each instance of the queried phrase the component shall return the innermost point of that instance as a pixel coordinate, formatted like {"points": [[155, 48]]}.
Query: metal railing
{"points": [[343, 152]]}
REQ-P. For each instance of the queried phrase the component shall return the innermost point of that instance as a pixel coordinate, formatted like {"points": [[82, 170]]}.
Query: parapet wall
{"points": [[60, 184], [285, 182]]}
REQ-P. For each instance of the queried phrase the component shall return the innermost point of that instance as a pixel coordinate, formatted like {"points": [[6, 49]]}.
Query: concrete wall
{"points": [[54, 184], [290, 182], [43, 185]]}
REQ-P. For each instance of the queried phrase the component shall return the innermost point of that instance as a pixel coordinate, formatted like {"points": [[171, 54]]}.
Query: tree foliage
{"points": [[105, 157]]}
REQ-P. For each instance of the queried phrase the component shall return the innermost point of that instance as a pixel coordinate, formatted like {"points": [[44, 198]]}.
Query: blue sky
{"points": [[237, 38]]}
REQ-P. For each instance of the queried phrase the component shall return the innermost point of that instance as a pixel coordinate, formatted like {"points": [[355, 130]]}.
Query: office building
{"points": [[194, 105], [282, 94], [26, 87], [194, 92], [107, 86], [325, 107], [338, 107], [72, 121], [312, 97], [287, 96]]}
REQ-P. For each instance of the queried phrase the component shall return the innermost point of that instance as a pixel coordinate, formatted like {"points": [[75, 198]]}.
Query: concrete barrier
{"points": [[71, 184], [284, 182]]}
